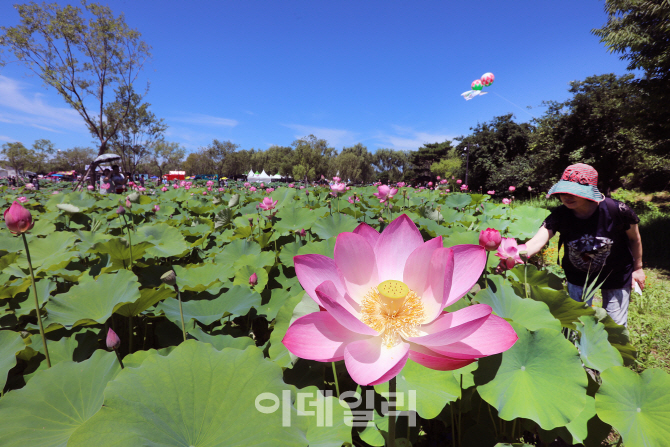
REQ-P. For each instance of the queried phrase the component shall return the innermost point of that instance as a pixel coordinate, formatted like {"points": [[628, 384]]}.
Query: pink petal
{"points": [[314, 269], [494, 336], [329, 296], [369, 233], [440, 278], [394, 246], [370, 362], [429, 359], [318, 336], [451, 327], [415, 274], [355, 260], [469, 263]]}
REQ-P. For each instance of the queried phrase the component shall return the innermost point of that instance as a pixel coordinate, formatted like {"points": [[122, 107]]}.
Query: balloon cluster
{"points": [[477, 86]]}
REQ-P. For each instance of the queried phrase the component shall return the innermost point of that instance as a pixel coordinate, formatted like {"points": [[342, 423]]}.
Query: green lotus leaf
{"points": [[10, 344], [529, 274], [235, 250], [177, 401], [258, 261], [11, 289], [284, 197], [56, 402], [505, 303], [596, 352], [236, 301], [539, 378], [637, 406], [93, 300], [458, 200], [76, 347], [167, 241], [89, 239], [24, 303], [136, 359], [331, 226], [561, 306], [288, 251], [325, 418], [223, 218], [82, 200], [200, 278], [68, 208], [148, 297], [221, 341], [243, 274], [286, 315], [585, 429], [51, 252], [423, 390], [293, 218], [118, 251], [326, 248], [234, 200]]}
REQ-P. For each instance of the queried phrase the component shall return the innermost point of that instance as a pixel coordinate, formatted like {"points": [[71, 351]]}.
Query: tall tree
{"points": [[75, 159], [222, 154], [354, 164], [390, 164], [81, 54], [43, 150], [138, 131], [18, 156], [311, 158], [422, 159], [165, 156]]}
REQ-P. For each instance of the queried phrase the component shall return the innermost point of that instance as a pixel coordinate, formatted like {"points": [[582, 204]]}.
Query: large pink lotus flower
{"points": [[382, 299], [385, 192], [508, 252], [267, 203], [18, 219], [338, 188]]}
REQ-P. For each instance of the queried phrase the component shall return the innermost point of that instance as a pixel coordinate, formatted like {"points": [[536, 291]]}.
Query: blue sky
{"points": [[382, 73]]}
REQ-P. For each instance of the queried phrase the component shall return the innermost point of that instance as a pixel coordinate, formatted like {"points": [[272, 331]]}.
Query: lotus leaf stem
{"points": [[37, 303], [337, 384], [392, 412], [181, 312]]}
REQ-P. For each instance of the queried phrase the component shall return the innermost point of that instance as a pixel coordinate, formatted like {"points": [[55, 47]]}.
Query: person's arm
{"points": [[537, 242], [635, 244]]}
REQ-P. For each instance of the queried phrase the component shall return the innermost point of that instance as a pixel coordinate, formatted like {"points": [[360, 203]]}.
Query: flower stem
{"points": [[130, 243], [118, 356], [337, 384], [392, 412], [486, 269], [37, 303], [181, 312]]}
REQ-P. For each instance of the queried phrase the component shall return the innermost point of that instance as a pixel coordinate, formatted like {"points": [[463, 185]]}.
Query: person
{"points": [[118, 180], [601, 237], [105, 182]]}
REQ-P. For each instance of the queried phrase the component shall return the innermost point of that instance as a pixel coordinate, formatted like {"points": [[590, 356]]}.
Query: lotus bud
{"points": [[302, 233], [156, 208], [128, 204], [18, 219], [169, 278], [253, 280], [381, 220], [90, 187], [113, 340], [512, 188], [120, 210], [490, 239]]}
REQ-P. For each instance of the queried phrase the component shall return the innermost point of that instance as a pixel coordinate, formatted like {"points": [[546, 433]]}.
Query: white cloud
{"points": [[337, 138], [406, 139], [205, 120], [7, 139], [30, 109]]}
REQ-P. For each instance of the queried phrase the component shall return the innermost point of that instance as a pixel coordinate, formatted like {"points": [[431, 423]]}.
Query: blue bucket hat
{"points": [[580, 180]]}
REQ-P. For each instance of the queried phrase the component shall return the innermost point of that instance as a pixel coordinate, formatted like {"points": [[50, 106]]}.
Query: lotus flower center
{"points": [[393, 310]]}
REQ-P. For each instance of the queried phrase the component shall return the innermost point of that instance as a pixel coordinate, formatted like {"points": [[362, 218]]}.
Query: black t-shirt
{"points": [[597, 245]]}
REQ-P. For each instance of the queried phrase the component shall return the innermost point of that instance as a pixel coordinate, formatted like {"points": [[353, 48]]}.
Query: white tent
{"points": [[262, 177]]}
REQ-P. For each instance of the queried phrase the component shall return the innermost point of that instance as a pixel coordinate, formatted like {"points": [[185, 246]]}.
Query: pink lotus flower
{"points": [[204, 193], [18, 219], [490, 192], [438, 177], [383, 297], [156, 208], [252, 189], [187, 187], [400, 184], [90, 187], [302, 187], [141, 189], [107, 186], [459, 181], [338, 188], [443, 181], [430, 183], [506, 201], [512, 188], [530, 189], [385, 192], [490, 239], [22, 199], [30, 186], [268, 204], [464, 187], [247, 184], [262, 185], [291, 185], [128, 204], [175, 186], [508, 252], [113, 341], [353, 199], [447, 190], [222, 189], [209, 188], [253, 280], [269, 190], [209, 183], [164, 189], [54, 193], [131, 183], [337, 179]]}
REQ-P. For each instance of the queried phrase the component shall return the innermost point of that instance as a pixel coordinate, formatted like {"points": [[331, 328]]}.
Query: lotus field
{"points": [[195, 316]]}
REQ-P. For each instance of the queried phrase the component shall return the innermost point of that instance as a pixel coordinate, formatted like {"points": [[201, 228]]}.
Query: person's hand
{"points": [[639, 277]]}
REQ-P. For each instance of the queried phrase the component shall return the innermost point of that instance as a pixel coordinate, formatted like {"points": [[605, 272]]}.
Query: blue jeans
{"points": [[615, 301]]}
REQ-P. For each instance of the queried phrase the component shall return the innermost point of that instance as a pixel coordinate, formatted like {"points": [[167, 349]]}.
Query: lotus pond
{"points": [[204, 363]]}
